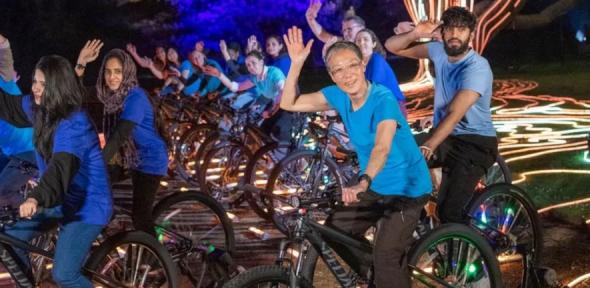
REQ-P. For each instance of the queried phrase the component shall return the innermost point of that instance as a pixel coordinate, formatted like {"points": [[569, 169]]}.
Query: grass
{"points": [[568, 78]]}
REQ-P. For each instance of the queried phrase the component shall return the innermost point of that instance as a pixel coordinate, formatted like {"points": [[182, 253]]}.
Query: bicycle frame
{"points": [[17, 271], [315, 233]]}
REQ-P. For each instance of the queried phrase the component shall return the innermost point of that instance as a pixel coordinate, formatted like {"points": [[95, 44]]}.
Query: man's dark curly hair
{"points": [[458, 17]]}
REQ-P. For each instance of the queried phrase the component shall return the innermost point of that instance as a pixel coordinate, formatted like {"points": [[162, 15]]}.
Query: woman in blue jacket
{"points": [[74, 186]]}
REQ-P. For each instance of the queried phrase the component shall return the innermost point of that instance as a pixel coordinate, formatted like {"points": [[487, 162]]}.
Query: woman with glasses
{"points": [[392, 167]]}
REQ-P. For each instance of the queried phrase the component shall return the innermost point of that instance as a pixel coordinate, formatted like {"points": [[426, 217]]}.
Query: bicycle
{"points": [[197, 233], [452, 255], [127, 259]]}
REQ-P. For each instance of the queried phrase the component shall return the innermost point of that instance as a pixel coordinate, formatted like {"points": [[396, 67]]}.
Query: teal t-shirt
{"points": [[271, 86], [405, 172], [473, 73]]}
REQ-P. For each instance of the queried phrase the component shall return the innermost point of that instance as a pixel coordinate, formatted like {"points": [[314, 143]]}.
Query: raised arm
{"points": [[404, 44], [88, 54], [133, 52], [6, 60], [310, 15], [298, 52], [233, 86]]}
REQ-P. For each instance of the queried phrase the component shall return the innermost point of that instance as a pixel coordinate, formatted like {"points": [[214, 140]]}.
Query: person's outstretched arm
{"points": [[404, 44], [298, 52], [310, 15], [88, 54], [6, 60], [133, 52], [233, 86]]}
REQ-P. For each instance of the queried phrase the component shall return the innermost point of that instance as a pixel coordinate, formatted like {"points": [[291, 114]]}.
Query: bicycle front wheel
{"points": [[132, 259], [263, 276]]}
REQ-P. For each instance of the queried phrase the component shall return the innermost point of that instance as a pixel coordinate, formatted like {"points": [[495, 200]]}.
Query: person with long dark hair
{"points": [[74, 186], [131, 124]]}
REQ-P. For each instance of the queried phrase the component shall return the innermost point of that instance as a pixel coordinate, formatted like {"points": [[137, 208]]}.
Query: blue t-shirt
{"points": [[152, 154], [271, 86], [14, 140], [405, 172], [88, 198], [378, 71], [473, 72], [211, 83], [283, 62]]}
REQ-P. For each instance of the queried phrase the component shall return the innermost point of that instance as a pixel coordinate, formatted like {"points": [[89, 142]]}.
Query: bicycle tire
{"points": [[257, 173], [185, 151], [520, 196], [432, 245], [187, 197], [233, 168], [497, 173], [262, 274], [269, 196], [107, 253]]}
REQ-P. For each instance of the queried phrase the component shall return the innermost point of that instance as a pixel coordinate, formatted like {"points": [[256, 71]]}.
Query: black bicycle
{"points": [[451, 255], [127, 259]]}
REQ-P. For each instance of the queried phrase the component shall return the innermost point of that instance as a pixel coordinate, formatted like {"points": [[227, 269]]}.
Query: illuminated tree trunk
{"points": [[492, 17]]}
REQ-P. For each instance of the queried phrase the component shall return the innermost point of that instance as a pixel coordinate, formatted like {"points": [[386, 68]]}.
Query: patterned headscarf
{"points": [[113, 100]]}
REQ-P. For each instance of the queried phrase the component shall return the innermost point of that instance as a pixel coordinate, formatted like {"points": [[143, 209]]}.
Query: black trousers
{"points": [[464, 160], [279, 125], [145, 187], [395, 218]]}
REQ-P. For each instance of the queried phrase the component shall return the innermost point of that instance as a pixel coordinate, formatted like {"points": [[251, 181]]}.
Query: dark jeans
{"points": [[395, 222], [464, 160], [145, 187], [73, 243]]}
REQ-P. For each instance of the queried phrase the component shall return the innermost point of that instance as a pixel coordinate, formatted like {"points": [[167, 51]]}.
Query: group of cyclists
{"points": [[75, 170]]}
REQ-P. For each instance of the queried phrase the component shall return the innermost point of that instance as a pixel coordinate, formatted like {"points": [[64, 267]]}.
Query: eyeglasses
{"points": [[339, 72]]}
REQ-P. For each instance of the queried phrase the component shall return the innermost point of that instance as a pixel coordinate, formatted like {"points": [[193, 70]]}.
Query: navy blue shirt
{"points": [[151, 149], [88, 198], [405, 172], [378, 71], [283, 62]]}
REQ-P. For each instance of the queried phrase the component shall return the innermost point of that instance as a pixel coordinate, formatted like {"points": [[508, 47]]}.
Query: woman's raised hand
{"points": [[89, 52], [298, 51]]}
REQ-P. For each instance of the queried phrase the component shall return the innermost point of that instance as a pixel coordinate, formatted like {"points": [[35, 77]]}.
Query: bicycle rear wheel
{"points": [[262, 276], [187, 149], [223, 168], [455, 255], [200, 219], [132, 259]]}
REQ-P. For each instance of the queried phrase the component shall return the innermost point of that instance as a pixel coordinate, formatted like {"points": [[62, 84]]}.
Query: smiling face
{"points": [[172, 55], [38, 86], [161, 54], [255, 66], [347, 71], [273, 47], [113, 73], [365, 43]]}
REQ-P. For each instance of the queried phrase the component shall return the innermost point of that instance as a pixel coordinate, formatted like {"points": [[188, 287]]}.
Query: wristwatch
{"points": [[366, 178]]}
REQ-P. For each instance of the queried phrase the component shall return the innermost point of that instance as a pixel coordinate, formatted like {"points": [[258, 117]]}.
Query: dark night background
{"points": [[40, 27]]}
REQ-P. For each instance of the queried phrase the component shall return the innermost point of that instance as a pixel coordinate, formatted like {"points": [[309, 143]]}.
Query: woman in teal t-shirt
{"points": [[392, 166]]}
